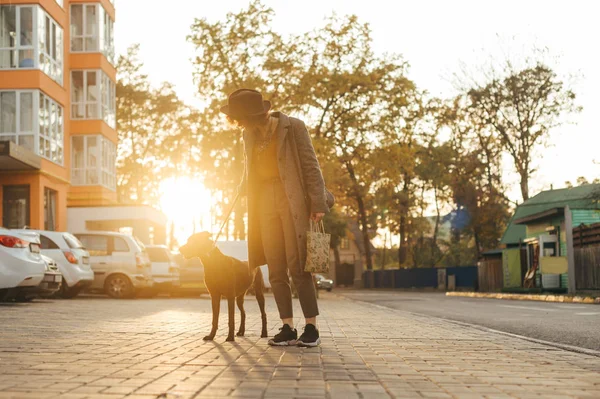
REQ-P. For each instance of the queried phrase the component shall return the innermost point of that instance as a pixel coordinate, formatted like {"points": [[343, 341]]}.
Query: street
{"points": [[563, 323], [94, 347]]}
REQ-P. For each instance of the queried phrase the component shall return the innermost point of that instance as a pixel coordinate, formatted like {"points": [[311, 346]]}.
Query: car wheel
{"points": [[118, 286], [23, 298], [67, 292]]}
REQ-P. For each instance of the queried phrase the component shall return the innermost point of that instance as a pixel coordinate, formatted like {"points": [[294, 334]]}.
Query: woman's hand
{"points": [[316, 216]]}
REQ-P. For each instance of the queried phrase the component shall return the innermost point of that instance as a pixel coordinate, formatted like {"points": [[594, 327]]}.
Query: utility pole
{"points": [[570, 250]]}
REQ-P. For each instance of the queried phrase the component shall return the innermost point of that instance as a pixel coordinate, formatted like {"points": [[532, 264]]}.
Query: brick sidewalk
{"points": [[101, 348]]}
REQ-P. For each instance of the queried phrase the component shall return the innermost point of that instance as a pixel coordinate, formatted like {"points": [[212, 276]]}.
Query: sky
{"points": [[435, 37]]}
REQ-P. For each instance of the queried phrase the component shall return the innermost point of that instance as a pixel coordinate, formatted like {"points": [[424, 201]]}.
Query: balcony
{"points": [[16, 158]]}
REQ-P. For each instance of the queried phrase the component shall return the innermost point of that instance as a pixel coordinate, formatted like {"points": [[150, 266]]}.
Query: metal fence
{"points": [[466, 277]]}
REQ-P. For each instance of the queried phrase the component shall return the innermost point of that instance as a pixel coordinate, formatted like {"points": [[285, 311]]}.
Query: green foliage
{"points": [[521, 108], [582, 181], [335, 224], [391, 156], [150, 122]]}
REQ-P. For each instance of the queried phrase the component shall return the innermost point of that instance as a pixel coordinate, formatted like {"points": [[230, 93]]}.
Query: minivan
{"points": [[120, 263]]}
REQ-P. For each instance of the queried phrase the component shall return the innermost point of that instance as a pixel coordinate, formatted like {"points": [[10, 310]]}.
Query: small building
{"points": [[353, 258], [534, 243]]}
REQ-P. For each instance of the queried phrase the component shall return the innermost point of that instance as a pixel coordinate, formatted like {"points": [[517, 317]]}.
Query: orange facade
{"points": [[74, 170]]}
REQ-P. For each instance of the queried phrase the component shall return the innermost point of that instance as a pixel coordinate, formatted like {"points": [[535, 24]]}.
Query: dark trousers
{"points": [[281, 251]]}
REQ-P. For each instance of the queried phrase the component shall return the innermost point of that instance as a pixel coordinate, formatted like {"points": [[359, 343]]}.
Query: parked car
{"points": [[191, 277], [120, 263], [165, 271], [21, 264], [72, 259], [324, 283], [49, 285]]}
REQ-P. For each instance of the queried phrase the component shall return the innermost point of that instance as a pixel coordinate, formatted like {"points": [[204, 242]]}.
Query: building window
{"points": [[93, 96], [92, 30], [93, 161], [16, 37], [49, 209], [15, 207], [18, 122], [30, 38], [50, 36], [16, 118], [51, 131], [344, 243], [107, 40]]}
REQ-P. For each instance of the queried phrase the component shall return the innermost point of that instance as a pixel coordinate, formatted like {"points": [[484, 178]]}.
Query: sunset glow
{"points": [[187, 204]]}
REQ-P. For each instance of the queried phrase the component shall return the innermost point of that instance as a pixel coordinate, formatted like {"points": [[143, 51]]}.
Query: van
{"points": [[120, 263]]}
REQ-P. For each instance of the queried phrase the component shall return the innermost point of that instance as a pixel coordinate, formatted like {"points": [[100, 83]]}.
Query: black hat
{"points": [[245, 102]]}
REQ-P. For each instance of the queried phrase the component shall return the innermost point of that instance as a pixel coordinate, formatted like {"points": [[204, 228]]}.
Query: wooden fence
{"points": [[585, 236], [587, 268], [490, 276], [586, 243]]}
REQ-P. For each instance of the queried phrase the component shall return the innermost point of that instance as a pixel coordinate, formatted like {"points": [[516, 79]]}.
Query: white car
{"points": [[49, 285], [324, 283], [21, 264], [120, 263], [165, 271], [72, 259]]}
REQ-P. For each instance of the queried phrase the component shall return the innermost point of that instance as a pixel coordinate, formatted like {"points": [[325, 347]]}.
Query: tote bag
{"points": [[317, 249]]}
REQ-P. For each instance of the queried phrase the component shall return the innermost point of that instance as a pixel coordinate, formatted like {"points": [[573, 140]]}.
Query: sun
{"points": [[187, 204]]}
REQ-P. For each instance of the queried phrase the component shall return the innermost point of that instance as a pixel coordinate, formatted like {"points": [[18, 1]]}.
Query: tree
{"points": [[354, 100], [329, 77], [521, 108], [582, 181], [148, 119], [241, 51], [336, 225], [474, 176]]}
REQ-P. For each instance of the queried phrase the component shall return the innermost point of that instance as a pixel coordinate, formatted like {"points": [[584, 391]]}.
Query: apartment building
{"points": [[58, 136]]}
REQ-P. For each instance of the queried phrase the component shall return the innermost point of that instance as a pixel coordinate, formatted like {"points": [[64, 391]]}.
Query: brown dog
{"points": [[227, 277]]}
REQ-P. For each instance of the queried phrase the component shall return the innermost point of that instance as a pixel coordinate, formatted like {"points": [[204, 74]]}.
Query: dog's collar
{"points": [[212, 251]]}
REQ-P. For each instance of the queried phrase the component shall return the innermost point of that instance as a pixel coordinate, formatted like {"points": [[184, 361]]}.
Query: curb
{"points": [[565, 347], [528, 297]]}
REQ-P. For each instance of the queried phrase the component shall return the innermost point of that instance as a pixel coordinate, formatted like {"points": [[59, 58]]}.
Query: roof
{"points": [[582, 197], [540, 216]]}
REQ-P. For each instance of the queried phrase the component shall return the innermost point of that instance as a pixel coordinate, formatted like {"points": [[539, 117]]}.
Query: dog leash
{"points": [[226, 219]]}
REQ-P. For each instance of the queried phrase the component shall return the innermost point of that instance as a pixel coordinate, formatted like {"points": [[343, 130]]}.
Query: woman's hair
{"points": [[251, 120]]}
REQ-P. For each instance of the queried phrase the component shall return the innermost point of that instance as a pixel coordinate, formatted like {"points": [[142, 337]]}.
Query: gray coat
{"points": [[302, 179]]}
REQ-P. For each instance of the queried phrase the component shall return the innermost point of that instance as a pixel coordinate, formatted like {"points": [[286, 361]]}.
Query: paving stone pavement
{"points": [[153, 348]]}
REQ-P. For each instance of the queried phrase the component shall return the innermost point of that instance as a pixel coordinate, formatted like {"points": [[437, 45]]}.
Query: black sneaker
{"points": [[286, 337], [310, 337]]}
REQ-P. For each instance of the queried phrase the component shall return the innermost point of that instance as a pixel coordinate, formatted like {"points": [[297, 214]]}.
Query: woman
{"points": [[285, 187]]}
